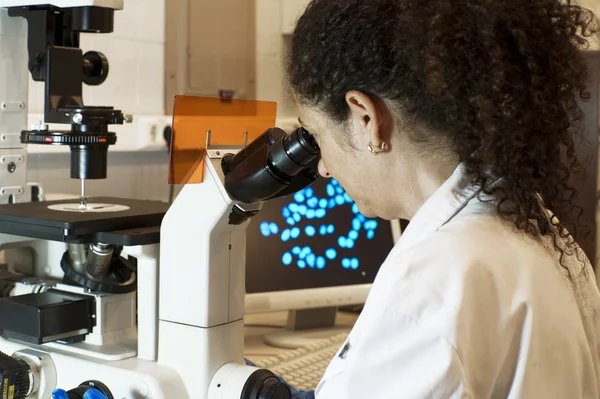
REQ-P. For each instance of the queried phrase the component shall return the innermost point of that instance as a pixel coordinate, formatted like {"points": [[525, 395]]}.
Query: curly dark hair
{"points": [[496, 81]]}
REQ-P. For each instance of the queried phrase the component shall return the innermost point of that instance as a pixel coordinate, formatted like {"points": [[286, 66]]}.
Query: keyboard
{"points": [[303, 368]]}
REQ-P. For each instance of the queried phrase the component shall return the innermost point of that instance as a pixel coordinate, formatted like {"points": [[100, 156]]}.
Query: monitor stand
{"points": [[306, 327]]}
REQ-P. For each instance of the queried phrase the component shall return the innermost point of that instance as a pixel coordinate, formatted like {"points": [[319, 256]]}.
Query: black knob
{"points": [[77, 393], [95, 68], [14, 376], [263, 384], [273, 388]]}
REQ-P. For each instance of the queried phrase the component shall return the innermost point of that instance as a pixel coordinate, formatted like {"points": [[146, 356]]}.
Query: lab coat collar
{"points": [[452, 196]]}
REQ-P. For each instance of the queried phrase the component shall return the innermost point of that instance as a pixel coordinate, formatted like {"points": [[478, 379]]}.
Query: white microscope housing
{"points": [[137, 299]]}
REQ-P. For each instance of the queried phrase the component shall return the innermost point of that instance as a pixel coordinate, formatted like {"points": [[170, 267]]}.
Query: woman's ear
{"points": [[367, 118]]}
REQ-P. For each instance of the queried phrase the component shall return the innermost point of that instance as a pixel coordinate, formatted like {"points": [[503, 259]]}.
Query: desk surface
{"points": [[257, 325]]}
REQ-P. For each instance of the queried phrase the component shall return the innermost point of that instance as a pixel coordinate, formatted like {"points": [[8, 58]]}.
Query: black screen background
{"points": [[265, 271]]}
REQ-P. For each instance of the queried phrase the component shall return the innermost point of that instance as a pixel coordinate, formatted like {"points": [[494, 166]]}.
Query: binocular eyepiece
{"points": [[273, 165]]}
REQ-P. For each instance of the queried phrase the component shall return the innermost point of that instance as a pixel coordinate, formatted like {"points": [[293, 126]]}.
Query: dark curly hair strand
{"points": [[496, 81]]}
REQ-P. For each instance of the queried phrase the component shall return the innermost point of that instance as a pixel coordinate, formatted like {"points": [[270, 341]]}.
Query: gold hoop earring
{"points": [[378, 151]]}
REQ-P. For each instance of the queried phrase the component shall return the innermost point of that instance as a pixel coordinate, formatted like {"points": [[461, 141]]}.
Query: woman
{"points": [[459, 115]]}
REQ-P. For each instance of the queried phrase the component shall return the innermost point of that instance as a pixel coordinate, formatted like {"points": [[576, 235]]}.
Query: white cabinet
{"points": [[210, 48], [291, 9]]}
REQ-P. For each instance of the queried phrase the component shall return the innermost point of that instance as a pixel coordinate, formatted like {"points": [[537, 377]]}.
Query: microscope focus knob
{"points": [[95, 68]]}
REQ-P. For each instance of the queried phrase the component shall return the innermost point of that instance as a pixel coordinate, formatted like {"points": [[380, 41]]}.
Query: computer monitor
{"points": [[310, 253]]}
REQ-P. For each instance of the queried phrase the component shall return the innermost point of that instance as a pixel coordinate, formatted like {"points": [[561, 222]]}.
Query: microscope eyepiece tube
{"points": [[99, 259], [294, 152]]}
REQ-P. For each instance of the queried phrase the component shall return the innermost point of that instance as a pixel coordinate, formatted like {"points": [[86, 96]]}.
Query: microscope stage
{"points": [[126, 221]]}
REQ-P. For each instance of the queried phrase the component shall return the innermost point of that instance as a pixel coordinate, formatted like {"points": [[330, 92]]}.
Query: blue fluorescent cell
{"points": [[299, 196], [371, 224], [346, 263], [330, 229], [356, 224], [354, 263], [323, 230], [286, 212], [290, 221], [296, 250], [301, 264], [310, 231], [297, 217], [285, 235], [274, 228], [361, 217], [349, 243], [342, 242], [323, 203], [331, 254], [310, 259], [287, 258], [353, 235], [370, 234], [321, 263], [305, 252], [334, 182], [339, 199], [310, 214], [309, 192], [264, 229], [293, 207], [331, 203], [339, 190], [347, 199], [302, 210], [295, 232], [354, 208], [320, 213], [313, 202], [330, 190]]}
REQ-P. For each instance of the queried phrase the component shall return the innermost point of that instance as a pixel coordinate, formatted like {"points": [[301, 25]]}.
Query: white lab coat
{"points": [[465, 306]]}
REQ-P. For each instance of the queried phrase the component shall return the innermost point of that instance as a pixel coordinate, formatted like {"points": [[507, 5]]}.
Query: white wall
{"points": [[593, 5], [271, 46]]}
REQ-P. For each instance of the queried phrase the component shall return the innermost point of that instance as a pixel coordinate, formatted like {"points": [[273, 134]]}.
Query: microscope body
{"points": [[138, 299], [189, 339]]}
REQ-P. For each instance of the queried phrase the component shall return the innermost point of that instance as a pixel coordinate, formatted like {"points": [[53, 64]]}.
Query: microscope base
{"points": [[109, 353], [129, 378], [219, 373]]}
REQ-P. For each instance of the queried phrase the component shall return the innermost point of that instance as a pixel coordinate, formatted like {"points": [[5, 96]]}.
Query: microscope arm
{"points": [[202, 272]]}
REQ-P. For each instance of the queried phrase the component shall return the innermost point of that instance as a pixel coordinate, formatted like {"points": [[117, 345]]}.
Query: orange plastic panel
{"points": [[227, 120]]}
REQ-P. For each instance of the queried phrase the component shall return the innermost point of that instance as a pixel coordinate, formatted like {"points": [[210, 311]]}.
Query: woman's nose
{"points": [[323, 169]]}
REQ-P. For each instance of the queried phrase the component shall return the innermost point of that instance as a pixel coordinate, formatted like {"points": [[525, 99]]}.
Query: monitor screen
{"points": [[315, 238]]}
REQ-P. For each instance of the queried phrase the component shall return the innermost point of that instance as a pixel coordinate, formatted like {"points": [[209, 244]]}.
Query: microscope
{"points": [[135, 299]]}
